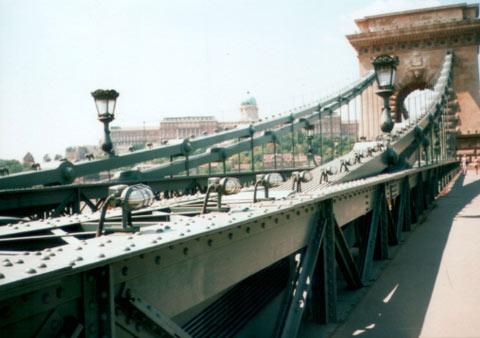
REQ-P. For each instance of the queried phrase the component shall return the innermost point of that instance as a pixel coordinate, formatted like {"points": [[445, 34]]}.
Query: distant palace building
{"points": [[183, 127], [179, 128]]}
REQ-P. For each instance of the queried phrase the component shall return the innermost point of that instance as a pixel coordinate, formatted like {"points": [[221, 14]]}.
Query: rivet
{"points": [[79, 258], [126, 249], [167, 227], [7, 263], [31, 270], [2, 275], [101, 255], [45, 258], [159, 230], [154, 242], [42, 266], [101, 245]]}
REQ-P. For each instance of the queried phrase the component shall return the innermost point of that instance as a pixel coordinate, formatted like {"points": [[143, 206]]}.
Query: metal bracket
{"points": [[147, 318]]}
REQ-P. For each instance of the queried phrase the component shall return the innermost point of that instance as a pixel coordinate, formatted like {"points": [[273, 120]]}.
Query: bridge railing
{"points": [[66, 171]]}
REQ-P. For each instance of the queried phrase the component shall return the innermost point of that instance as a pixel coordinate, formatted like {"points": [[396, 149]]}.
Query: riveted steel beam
{"points": [[298, 299]]}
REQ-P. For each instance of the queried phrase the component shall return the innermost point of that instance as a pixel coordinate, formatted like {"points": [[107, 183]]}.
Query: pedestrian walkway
{"points": [[431, 287]]}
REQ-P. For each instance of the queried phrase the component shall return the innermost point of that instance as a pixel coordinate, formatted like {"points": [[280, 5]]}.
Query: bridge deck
{"points": [[431, 288]]}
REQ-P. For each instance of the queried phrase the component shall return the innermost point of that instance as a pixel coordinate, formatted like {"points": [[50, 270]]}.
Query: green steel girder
{"points": [[26, 202]]}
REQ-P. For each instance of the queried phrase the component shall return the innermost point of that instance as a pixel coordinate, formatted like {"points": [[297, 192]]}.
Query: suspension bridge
{"points": [[282, 251]]}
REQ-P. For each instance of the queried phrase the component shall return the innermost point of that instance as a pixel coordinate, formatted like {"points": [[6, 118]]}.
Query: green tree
{"points": [[14, 166]]}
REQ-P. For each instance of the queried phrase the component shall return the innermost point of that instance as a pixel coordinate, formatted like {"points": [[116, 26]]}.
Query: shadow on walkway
{"points": [[396, 304]]}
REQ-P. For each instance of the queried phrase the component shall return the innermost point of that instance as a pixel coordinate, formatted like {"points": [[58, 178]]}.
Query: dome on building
{"points": [[249, 101], [249, 109]]}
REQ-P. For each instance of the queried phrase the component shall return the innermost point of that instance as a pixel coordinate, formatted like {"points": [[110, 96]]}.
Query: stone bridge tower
{"points": [[420, 38]]}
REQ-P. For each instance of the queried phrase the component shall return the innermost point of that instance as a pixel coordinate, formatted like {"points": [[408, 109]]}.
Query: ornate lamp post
{"points": [[385, 68], [105, 101]]}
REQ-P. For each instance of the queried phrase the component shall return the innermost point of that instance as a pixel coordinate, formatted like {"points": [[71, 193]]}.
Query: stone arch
{"points": [[421, 38]]}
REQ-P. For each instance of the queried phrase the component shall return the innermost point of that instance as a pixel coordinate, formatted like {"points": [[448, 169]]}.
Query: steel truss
{"points": [[190, 274], [171, 269]]}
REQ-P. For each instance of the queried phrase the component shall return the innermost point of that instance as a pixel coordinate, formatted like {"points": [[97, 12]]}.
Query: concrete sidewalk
{"points": [[431, 288]]}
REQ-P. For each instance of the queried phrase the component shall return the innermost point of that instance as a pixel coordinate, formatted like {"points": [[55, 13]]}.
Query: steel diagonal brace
{"points": [[298, 299], [345, 260], [149, 322], [367, 258]]}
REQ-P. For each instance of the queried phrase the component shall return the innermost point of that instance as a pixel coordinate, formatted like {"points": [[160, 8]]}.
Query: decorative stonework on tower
{"points": [[421, 38], [249, 109]]}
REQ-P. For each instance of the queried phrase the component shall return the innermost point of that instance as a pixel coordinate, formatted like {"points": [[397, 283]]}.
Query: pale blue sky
{"points": [[166, 58]]}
